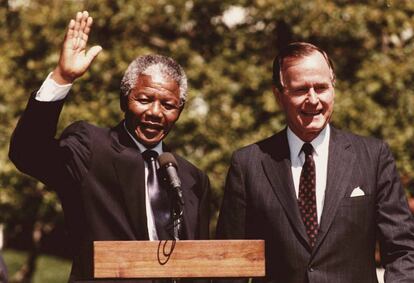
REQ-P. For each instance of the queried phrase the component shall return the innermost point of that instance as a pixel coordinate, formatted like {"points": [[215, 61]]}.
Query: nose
{"points": [[313, 96], [155, 109]]}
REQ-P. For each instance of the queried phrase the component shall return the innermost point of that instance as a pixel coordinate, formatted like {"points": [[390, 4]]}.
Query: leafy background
{"points": [[226, 48]]}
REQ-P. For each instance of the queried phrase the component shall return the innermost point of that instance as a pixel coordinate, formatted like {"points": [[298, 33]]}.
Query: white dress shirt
{"points": [[52, 91], [320, 155]]}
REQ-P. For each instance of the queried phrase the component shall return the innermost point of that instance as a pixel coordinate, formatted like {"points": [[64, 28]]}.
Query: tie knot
{"points": [[307, 148], [149, 154]]}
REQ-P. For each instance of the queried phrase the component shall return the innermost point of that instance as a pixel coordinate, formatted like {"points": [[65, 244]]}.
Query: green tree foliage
{"points": [[228, 64]]}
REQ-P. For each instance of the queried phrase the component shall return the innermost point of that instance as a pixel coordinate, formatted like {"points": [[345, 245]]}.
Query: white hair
{"points": [[154, 65]]}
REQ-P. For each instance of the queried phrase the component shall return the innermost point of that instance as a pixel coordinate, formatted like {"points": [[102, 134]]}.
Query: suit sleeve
{"points": [[232, 219], [394, 221], [35, 151]]}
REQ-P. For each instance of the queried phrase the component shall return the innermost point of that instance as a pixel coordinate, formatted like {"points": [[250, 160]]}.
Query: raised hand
{"points": [[74, 60]]}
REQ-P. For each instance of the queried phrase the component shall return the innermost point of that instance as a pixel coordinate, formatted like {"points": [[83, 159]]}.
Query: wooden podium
{"points": [[179, 259]]}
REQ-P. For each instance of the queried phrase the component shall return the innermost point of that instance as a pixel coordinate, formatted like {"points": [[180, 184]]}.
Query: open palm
{"points": [[74, 58]]}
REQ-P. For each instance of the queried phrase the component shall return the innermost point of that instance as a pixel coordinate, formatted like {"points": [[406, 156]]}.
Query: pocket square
{"points": [[357, 192]]}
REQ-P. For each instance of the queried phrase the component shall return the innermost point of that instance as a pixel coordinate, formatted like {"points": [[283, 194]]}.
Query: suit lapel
{"points": [[277, 167], [190, 207], [130, 169], [341, 160], [190, 202]]}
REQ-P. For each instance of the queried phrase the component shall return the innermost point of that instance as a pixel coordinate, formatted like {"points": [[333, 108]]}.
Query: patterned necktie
{"points": [[307, 194], [160, 203]]}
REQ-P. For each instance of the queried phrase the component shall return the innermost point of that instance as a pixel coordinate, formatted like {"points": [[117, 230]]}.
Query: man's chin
{"points": [[314, 130], [314, 123], [150, 141]]}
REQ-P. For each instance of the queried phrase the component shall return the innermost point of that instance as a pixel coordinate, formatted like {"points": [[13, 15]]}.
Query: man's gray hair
{"points": [[297, 50], [152, 65]]}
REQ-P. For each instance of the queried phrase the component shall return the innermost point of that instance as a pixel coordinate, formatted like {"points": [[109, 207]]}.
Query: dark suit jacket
{"points": [[98, 174], [260, 203]]}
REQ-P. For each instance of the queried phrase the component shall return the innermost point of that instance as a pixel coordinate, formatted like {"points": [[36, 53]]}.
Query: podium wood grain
{"points": [[189, 259]]}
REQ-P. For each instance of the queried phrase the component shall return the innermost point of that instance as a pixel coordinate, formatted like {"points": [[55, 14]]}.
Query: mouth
{"points": [[311, 113], [151, 127]]}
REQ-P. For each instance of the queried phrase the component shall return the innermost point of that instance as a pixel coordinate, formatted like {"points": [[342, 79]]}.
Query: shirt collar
{"points": [[141, 147], [320, 143]]}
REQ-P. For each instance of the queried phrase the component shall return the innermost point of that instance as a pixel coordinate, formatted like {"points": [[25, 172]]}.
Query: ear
{"points": [[278, 96], [123, 103], [181, 110]]}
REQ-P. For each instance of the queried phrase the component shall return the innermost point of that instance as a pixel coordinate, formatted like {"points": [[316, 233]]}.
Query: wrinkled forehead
{"points": [[305, 60], [156, 83]]}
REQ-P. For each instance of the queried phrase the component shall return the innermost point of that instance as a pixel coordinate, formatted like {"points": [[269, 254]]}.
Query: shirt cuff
{"points": [[52, 91]]}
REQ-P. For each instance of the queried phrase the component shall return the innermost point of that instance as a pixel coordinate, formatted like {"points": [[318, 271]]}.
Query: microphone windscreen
{"points": [[167, 158]]}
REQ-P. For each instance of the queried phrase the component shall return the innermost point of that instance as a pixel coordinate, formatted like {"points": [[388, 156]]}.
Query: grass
{"points": [[49, 269]]}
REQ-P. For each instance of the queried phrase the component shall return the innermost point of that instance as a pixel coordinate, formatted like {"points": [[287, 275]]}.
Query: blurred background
{"points": [[226, 48]]}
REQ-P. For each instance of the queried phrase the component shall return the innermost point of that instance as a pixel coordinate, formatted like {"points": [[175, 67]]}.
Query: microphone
{"points": [[168, 162]]}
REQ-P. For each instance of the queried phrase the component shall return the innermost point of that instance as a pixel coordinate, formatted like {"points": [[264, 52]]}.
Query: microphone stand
{"points": [[177, 216], [177, 213]]}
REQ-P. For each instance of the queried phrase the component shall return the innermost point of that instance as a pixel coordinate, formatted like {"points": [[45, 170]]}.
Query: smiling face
{"points": [[308, 94], [153, 107]]}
